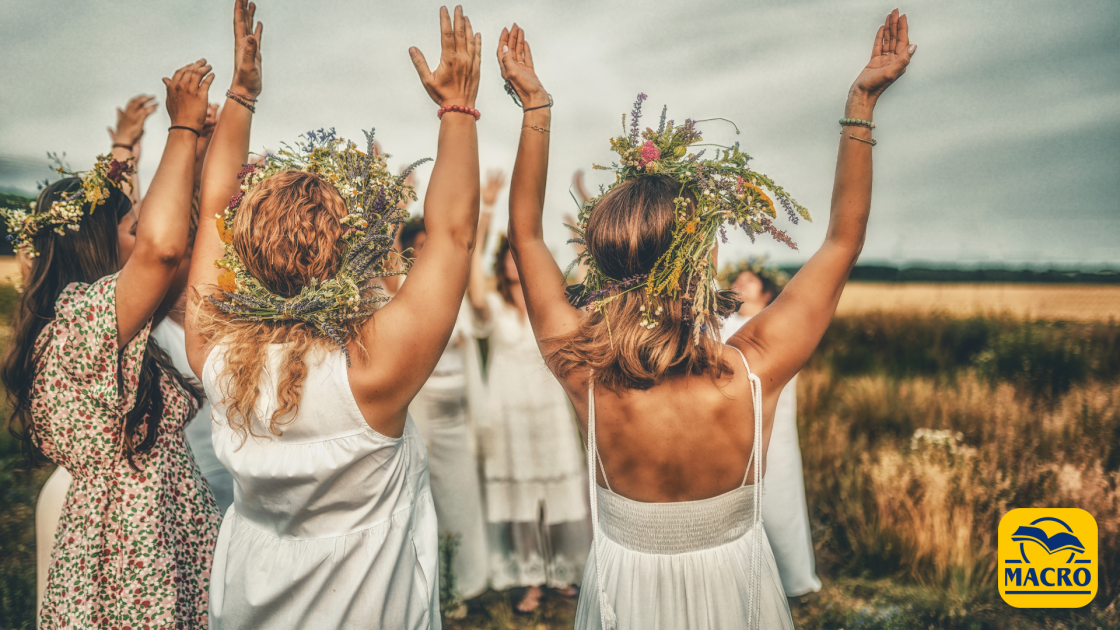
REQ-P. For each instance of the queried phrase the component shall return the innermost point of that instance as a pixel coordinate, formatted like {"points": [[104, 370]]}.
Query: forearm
{"points": [[851, 193], [451, 202], [476, 281], [161, 237], [228, 152], [530, 173]]}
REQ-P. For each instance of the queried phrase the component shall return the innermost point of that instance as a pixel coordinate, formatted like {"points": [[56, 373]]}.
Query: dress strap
{"points": [[606, 612], [754, 607]]}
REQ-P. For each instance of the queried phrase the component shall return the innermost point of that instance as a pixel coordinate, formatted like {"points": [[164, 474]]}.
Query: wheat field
{"points": [[1070, 302]]}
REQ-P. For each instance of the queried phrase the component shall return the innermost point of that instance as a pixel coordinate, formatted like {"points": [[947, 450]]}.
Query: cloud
{"points": [[1000, 144]]}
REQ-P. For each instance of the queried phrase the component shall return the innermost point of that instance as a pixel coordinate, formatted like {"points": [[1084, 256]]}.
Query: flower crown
{"points": [[66, 213], [373, 199], [725, 191], [757, 266]]}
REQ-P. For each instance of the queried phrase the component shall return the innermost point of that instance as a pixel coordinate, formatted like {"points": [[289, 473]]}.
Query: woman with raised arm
{"points": [[91, 390], [785, 514], [532, 465], [332, 523], [676, 422]]}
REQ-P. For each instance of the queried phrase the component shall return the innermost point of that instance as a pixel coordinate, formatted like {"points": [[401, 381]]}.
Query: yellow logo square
{"points": [[1048, 558]]}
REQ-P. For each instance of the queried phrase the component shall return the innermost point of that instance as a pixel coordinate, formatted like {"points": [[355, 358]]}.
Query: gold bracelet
{"points": [[535, 128], [871, 142]]}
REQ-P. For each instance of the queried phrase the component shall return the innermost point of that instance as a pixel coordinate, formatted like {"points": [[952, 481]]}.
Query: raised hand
{"points": [[495, 180], [208, 126], [890, 54], [455, 79], [246, 49], [130, 120], [187, 90], [516, 61]]}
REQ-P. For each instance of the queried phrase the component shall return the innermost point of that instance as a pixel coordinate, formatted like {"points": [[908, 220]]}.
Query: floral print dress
{"points": [[133, 548]]}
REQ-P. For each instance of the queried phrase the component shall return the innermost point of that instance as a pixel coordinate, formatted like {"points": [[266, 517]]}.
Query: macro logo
{"points": [[1048, 558]]}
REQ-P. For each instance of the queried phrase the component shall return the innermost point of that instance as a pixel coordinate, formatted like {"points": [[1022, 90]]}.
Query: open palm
{"points": [[890, 54]]}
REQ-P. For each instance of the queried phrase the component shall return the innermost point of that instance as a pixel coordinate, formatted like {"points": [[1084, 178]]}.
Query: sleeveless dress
{"points": [[133, 545], [442, 410], [332, 524], [689, 564], [785, 514], [536, 505]]}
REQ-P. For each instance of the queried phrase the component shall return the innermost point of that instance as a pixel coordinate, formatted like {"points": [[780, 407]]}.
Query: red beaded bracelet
{"points": [[462, 109]]}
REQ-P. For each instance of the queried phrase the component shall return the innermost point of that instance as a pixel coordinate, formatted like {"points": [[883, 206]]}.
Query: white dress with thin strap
{"points": [[536, 505], [332, 523], [691, 564], [785, 513]]}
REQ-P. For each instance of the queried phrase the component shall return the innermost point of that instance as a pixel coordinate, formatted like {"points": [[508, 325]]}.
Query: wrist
{"points": [[241, 90], [457, 101], [860, 104]]}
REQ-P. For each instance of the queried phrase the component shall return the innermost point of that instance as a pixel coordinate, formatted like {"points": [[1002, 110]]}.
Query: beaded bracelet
{"points": [[462, 109], [856, 122], [242, 100]]}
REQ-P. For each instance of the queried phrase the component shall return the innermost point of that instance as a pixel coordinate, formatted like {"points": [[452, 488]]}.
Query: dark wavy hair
{"points": [[85, 256]]}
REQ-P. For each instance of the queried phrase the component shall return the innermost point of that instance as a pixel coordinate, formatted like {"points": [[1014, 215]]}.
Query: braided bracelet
{"points": [[856, 122], [242, 100], [462, 109]]}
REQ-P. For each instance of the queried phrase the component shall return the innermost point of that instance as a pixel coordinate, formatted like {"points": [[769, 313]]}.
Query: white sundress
{"points": [[692, 564], [443, 411], [785, 513], [332, 523], [536, 503]]}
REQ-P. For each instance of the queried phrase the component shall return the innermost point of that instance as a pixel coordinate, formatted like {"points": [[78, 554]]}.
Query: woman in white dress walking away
{"points": [[536, 505], [683, 419], [332, 523], [785, 514]]}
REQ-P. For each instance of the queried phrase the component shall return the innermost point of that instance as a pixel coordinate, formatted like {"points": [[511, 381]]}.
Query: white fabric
{"points": [[440, 411], [690, 564], [533, 462], [785, 513], [47, 512], [173, 339], [332, 524]]}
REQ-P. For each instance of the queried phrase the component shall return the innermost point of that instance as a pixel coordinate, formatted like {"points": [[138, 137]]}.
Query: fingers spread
{"points": [[447, 35], [260, 31], [460, 30], [421, 64], [469, 43]]}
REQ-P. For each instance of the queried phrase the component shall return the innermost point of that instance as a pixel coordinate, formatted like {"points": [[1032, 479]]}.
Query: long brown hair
{"points": [[628, 230], [288, 230], [85, 255]]}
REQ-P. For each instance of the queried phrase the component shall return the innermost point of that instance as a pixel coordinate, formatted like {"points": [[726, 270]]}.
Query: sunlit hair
{"points": [[287, 232], [504, 282], [628, 230], [84, 255]]}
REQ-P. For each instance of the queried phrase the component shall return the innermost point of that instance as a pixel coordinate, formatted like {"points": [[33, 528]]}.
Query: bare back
{"points": [[687, 439]]}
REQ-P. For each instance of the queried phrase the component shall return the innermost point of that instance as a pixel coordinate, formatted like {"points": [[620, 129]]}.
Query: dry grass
{"points": [[1028, 301]]}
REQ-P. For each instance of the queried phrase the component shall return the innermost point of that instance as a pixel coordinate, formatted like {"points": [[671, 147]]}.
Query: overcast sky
{"points": [[1001, 145]]}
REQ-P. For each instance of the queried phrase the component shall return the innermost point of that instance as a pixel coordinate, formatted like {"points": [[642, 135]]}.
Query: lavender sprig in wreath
{"points": [[373, 197]]}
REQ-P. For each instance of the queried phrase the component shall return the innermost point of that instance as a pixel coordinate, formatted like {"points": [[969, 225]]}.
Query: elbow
{"points": [[161, 254]]}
